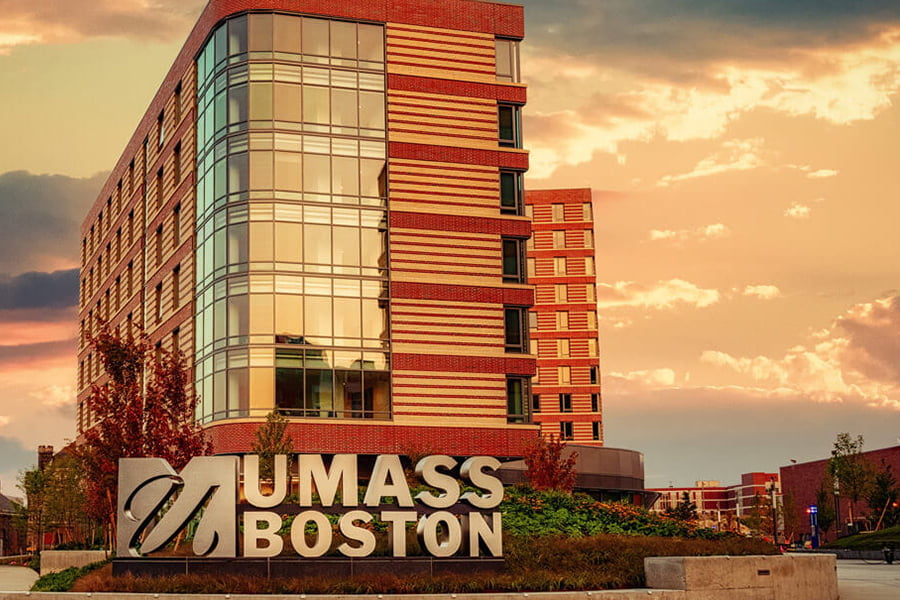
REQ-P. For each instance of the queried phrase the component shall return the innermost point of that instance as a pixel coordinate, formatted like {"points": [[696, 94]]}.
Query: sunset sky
{"points": [[744, 161]]}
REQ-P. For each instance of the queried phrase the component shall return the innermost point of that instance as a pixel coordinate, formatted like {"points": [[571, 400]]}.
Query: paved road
{"points": [[858, 580], [16, 579]]}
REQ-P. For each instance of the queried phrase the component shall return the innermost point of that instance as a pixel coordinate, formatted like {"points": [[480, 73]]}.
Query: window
{"points": [[513, 260], [559, 265], [595, 375], [514, 326], [128, 278], [177, 105], [558, 213], [536, 403], [510, 132], [587, 212], [592, 348], [562, 320], [516, 393], [590, 293], [559, 239], [565, 430], [592, 320], [507, 52], [595, 431], [588, 238], [595, 403], [176, 226], [161, 128], [588, 265], [563, 348], [157, 303], [561, 292], [159, 245], [532, 267], [176, 164], [119, 244], [532, 320], [176, 335], [176, 286], [511, 192], [159, 187], [131, 178], [564, 374], [565, 403]]}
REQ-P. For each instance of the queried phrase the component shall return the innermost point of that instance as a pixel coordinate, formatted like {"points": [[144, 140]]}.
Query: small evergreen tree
{"points": [[272, 440], [546, 469], [685, 510]]}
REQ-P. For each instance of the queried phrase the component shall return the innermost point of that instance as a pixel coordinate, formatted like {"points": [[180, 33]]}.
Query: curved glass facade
{"points": [[292, 277]]}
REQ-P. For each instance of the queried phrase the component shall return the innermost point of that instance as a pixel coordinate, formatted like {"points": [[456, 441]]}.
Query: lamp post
{"points": [[772, 491], [837, 508]]}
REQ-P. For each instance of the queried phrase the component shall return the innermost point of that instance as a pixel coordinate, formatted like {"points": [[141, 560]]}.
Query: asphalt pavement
{"points": [[862, 580]]}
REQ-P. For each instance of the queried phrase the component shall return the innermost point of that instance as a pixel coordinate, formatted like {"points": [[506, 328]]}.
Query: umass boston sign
{"points": [[241, 520]]}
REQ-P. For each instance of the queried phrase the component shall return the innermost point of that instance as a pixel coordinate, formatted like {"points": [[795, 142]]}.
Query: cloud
{"points": [[31, 355], [736, 155], [39, 290], [662, 295], [650, 379], [703, 234], [763, 292], [4, 421], [40, 219], [798, 211], [823, 173], [55, 395], [856, 359], [30, 22]]}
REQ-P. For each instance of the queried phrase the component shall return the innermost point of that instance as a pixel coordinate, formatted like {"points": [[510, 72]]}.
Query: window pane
{"points": [[316, 104], [259, 29], [316, 173], [371, 43], [317, 316], [238, 173], [289, 315], [343, 39], [261, 101], [287, 34], [288, 388], [261, 170], [372, 248], [237, 35], [370, 172], [318, 392], [287, 102], [237, 244], [346, 246], [288, 171], [344, 108], [261, 242], [371, 110], [238, 311], [504, 72], [315, 36], [288, 242], [237, 104], [507, 123], [513, 328], [347, 318], [317, 244], [345, 175], [374, 320]]}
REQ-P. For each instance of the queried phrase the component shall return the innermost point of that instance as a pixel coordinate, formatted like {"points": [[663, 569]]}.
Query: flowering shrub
{"points": [[528, 512]]}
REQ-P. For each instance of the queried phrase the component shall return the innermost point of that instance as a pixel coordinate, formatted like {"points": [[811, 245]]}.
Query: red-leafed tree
{"points": [[144, 410], [547, 468]]}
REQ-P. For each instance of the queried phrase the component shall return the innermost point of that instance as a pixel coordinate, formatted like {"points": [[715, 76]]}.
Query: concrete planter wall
{"points": [[53, 561]]}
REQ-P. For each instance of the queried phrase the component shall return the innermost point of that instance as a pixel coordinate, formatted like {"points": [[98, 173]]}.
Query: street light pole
{"points": [[774, 512], [837, 508]]}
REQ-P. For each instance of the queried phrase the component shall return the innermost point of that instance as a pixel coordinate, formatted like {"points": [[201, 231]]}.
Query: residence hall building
{"points": [[323, 208], [563, 323]]}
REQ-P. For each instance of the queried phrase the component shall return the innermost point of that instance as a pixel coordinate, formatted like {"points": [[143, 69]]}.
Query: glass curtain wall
{"points": [[292, 280]]}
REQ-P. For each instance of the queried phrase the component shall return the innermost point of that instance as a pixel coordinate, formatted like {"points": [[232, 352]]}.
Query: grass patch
{"points": [[553, 562], [63, 581], [867, 541]]}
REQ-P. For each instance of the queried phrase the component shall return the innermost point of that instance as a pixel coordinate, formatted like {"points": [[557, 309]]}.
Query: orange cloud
{"points": [[661, 295]]}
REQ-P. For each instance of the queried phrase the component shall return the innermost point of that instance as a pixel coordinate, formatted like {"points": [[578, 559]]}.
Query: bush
{"points": [[63, 581]]}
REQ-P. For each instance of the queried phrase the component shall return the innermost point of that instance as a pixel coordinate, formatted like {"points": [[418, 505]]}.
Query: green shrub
{"points": [[63, 581]]}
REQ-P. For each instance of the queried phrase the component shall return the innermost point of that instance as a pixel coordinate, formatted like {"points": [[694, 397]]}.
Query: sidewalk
{"points": [[858, 580], [16, 579]]}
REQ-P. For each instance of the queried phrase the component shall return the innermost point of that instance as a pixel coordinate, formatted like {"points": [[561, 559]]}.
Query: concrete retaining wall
{"points": [[53, 561], [788, 577]]}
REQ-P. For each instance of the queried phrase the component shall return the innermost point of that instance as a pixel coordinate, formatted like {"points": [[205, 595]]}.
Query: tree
{"points": [[850, 468], [825, 503], [882, 497], [546, 469], [272, 440], [685, 510], [759, 518], [56, 502], [133, 418], [790, 517]]}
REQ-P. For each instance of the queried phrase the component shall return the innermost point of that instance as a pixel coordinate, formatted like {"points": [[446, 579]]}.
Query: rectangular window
{"points": [[562, 320], [507, 52], [592, 348], [532, 320], [590, 293], [588, 265], [130, 178], [159, 245], [176, 226], [563, 348], [514, 326], [157, 303], [564, 375], [161, 129], [177, 105], [176, 286], [559, 265], [588, 238], [565, 403], [565, 431], [587, 212], [159, 187], [517, 390], [592, 320], [559, 213], [536, 403], [595, 403], [595, 431], [595, 375], [559, 239], [176, 335], [561, 292], [128, 279], [513, 260], [509, 127], [176, 164], [511, 192]]}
